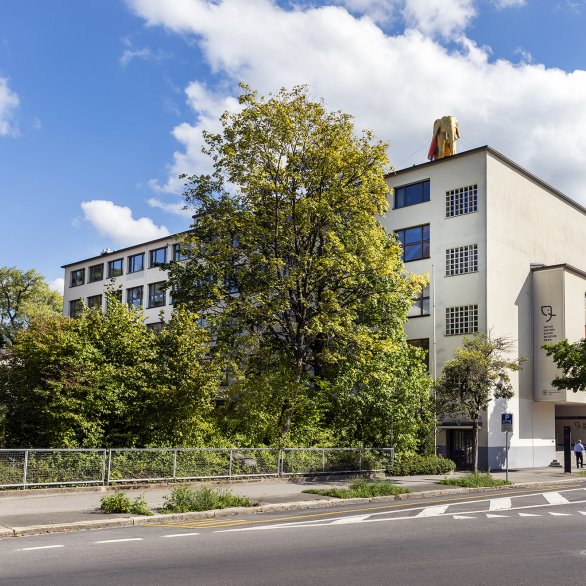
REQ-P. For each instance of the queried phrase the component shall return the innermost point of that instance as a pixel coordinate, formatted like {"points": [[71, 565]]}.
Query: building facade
{"points": [[505, 253]]}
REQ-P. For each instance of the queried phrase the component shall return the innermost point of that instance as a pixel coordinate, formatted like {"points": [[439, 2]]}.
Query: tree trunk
{"points": [[475, 443]]}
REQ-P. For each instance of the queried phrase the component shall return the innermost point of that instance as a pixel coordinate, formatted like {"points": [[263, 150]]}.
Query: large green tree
{"points": [[23, 295], [570, 358], [478, 373], [303, 290]]}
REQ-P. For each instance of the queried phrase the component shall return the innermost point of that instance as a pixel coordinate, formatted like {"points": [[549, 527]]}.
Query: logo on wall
{"points": [[547, 311]]}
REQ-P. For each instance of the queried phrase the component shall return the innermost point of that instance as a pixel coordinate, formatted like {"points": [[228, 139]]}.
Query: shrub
{"points": [[184, 499], [361, 489], [410, 464], [475, 480], [119, 502]]}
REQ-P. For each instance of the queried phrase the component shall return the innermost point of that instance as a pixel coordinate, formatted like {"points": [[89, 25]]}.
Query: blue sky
{"points": [[102, 102]]}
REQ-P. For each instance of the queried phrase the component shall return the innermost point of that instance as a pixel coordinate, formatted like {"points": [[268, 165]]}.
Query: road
{"points": [[513, 536]]}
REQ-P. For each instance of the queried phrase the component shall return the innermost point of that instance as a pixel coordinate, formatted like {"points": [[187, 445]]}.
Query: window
{"points": [[157, 294], [415, 242], [136, 263], [408, 195], [463, 200], [96, 273], [461, 320], [462, 260], [115, 268], [156, 327], [75, 307], [134, 297], [422, 343], [95, 301], [420, 305], [77, 277], [117, 294], [177, 252], [158, 257]]}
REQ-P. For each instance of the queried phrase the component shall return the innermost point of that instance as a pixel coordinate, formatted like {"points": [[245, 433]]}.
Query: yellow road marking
{"points": [[403, 503]]}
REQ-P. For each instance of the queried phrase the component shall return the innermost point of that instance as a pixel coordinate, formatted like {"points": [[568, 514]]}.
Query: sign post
{"points": [[567, 449], [507, 427]]}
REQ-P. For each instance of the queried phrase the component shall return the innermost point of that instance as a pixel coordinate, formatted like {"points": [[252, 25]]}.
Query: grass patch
{"points": [[184, 499], [361, 489], [475, 480], [120, 502]]}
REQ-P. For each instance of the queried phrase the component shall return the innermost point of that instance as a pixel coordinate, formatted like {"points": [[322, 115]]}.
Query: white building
{"points": [[505, 253]]}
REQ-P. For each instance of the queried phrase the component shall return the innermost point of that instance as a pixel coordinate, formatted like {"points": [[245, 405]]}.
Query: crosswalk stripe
{"points": [[528, 515], [433, 511], [500, 504], [560, 514], [353, 519], [582, 512], [489, 516], [463, 517], [555, 498]]}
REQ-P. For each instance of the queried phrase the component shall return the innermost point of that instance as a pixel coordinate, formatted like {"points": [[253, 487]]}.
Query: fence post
{"points": [[279, 463], [230, 467], [25, 471], [109, 465], [174, 463], [103, 467], [323, 459], [360, 460]]}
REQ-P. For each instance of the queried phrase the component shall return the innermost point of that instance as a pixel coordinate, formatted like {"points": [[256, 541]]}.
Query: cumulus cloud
{"points": [[58, 285], [395, 84], [8, 103], [177, 208], [509, 3], [116, 222]]}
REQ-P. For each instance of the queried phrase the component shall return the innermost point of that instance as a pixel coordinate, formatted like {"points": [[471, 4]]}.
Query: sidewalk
{"points": [[33, 511]]}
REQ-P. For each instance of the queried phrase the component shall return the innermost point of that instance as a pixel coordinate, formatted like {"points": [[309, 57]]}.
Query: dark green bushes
{"points": [[411, 464]]}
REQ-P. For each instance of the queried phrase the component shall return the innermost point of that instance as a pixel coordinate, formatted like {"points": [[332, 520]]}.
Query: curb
{"points": [[7, 532]]}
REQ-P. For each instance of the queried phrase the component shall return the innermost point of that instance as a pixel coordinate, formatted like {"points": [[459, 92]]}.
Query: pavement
{"points": [[37, 511]]}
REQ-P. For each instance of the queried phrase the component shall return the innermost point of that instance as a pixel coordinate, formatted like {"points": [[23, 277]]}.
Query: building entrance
{"points": [[460, 447]]}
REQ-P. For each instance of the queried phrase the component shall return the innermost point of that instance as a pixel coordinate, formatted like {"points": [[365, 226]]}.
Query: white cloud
{"points": [[116, 222], [396, 85], [58, 285], [177, 208], [509, 3], [439, 17], [8, 103]]}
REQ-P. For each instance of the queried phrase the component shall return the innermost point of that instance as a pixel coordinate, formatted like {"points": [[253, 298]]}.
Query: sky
{"points": [[102, 102]]}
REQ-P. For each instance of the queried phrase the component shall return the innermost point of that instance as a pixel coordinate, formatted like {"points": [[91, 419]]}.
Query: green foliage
{"points": [[570, 358], [411, 464], [361, 489], [184, 499], [23, 295], [119, 502], [304, 292], [475, 480], [478, 373]]}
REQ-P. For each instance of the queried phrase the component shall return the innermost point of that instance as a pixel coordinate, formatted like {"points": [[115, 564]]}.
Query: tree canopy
{"points": [[303, 292], [23, 294], [570, 358]]}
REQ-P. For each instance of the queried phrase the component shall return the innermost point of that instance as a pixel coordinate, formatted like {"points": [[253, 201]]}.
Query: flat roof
{"points": [[563, 266], [504, 160]]}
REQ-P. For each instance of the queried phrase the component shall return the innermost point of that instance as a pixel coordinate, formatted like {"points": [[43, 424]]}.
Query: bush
{"points": [[475, 480], [361, 489], [122, 503], [184, 499], [410, 464]]}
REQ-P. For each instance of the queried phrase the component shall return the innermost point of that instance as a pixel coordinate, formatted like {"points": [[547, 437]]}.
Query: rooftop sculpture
{"points": [[443, 141]]}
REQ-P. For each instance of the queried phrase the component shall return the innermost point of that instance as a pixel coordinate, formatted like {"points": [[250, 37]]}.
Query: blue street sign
{"points": [[507, 422]]}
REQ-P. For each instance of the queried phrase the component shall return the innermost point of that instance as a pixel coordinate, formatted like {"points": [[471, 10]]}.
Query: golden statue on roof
{"points": [[443, 142]]}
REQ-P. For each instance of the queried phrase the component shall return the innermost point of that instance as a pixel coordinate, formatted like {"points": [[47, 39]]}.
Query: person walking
{"points": [[579, 451]]}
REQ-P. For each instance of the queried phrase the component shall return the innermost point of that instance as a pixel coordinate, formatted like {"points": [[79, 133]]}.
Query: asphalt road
{"points": [[499, 537]]}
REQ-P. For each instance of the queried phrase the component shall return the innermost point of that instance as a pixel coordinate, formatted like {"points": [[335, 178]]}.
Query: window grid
{"points": [[462, 260], [414, 242], [420, 305], [460, 201], [461, 320]]}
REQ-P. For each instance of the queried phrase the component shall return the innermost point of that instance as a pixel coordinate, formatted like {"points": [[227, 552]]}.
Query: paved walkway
{"points": [[43, 510]]}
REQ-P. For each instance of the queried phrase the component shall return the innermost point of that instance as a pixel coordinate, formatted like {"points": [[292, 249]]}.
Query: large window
{"points": [[462, 260], [136, 263], [75, 307], [77, 277], [94, 302], [178, 252], [461, 320], [158, 257], [156, 327], [409, 195], [115, 268], [157, 294], [422, 343], [415, 242], [96, 273], [463, 200], [134, 297], [420, 305]]}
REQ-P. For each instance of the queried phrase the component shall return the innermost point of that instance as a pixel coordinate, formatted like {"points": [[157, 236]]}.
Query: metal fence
{"points": [[24, 468]]}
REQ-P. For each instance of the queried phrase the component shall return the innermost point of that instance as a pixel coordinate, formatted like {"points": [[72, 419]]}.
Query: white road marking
{"points": [[582, 512], [352, 519], [561, 514], [120, 540], [40, 547], [181, 535], [433, 511], [500, 504], [489, 516], [463, 517], [555, 498], [528, 515]]}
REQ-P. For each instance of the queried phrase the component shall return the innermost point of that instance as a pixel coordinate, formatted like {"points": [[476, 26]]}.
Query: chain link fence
{"points": [[24, 468]]}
